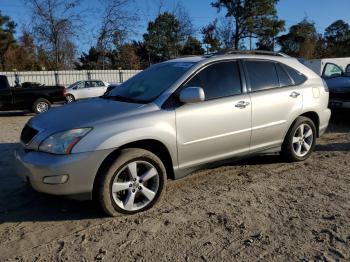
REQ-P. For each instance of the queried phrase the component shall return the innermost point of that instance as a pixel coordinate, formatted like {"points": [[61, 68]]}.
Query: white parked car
{"points": [[86, 89]]}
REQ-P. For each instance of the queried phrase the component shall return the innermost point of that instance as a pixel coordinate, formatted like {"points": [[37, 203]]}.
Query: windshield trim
{"points": [[153, 99]]}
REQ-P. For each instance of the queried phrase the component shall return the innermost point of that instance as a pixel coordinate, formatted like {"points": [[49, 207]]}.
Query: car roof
{"points": [[231, 53], [222, 56]]}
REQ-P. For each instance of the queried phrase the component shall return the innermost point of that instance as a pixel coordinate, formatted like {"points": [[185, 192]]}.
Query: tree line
{"points": [[51, 41]]}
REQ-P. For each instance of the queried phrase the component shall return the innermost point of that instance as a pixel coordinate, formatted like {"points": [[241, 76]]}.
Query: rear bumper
{"points": [[324, 121], [80, 169]]}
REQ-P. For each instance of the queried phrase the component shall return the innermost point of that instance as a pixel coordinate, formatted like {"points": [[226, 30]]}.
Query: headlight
{"points": [[63, 142]]}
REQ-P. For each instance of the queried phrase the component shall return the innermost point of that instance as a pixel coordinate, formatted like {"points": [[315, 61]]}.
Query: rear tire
{"points": [[133, 183], [300, 140], [41, 105]]}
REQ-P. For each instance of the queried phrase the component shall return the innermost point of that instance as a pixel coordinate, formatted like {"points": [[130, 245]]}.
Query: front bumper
{"points": [[81, 169]]}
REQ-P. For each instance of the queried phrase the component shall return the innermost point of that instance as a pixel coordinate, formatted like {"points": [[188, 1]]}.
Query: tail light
{"points": [[325, 86], [64, 91]]}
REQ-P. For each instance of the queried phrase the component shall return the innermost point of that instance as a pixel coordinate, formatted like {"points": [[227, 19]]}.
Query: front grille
{"points": [[28, 133], [339, 96]]}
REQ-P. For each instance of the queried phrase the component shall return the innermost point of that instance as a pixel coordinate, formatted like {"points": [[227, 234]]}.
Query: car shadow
{"points": [[334, 147], [16, 113], [19, 203], [339, 122]]}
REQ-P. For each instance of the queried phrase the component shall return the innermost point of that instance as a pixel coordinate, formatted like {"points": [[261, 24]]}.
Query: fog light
{"points": [[55, 179]]}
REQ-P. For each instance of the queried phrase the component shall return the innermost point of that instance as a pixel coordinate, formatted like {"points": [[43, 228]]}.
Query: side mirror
{"points": [[192, 95]]}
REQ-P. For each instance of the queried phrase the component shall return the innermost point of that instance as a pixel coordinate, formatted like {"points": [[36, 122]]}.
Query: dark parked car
{"points": [[338, 82], [36, 98]]}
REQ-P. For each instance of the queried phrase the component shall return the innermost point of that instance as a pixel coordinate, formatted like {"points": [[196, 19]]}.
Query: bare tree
{"points": [[186, 25], [116, 23], [225, 32], [55, 24]]}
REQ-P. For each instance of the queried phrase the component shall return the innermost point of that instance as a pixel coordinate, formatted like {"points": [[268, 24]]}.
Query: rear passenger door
{"points": [[277, 100], [220, 126]]}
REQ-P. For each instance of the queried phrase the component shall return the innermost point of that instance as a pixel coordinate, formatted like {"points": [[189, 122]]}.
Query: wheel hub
{"points": [[135, 185]]}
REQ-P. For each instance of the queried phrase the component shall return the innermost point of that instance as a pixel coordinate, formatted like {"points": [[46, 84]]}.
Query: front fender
{"points": [[158, 126]]}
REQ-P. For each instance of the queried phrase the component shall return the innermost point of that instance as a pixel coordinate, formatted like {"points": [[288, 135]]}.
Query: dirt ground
{"points": [[257, 209]]}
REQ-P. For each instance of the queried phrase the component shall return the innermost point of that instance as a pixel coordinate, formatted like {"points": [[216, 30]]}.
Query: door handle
{"points": [[242, 104], [294, 94]]}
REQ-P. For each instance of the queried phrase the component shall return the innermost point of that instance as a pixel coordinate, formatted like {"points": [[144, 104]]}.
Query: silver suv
{"points": [[171, 119]]}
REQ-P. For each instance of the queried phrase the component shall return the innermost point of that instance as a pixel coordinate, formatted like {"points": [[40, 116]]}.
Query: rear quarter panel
{"points": [[315, 96]]}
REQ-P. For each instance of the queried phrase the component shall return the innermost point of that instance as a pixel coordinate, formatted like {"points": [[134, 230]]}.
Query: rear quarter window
{"points": [[284, 78], [297, 77]]}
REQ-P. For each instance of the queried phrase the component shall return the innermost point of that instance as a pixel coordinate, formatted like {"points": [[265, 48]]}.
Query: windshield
{"points": [[72, 85], [150, 83]]}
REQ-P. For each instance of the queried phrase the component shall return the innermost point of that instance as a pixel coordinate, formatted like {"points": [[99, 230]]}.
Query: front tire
{"points": [[70, 98], [135, 182], [300, 140], [41, 105]]}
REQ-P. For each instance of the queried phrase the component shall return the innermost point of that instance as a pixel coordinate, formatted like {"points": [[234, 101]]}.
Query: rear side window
{"points": [[262, 75], [218, 80], [284, 78], [297, 77]]}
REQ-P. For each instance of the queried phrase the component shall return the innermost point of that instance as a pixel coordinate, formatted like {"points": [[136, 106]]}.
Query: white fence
{"points": [[67, 78]]}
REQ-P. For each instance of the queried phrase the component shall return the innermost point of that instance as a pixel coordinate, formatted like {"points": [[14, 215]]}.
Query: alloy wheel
{"points": [[135, 185], [302, 140], [70, 99], [42, 107]]}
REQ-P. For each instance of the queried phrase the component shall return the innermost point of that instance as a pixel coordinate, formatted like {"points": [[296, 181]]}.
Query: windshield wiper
{"points": [[125, 99]]}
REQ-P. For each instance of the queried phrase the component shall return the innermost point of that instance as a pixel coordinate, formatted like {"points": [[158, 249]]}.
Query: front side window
{"points": [[332, 70], [218, 80], [88, 84], [80, 85], [262, 75], [147, 85]]}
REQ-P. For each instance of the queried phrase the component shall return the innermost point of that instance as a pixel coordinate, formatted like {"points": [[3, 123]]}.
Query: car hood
{"points": [[86, 113]]}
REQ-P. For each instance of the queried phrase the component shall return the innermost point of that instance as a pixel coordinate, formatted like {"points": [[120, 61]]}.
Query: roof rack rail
{"points": [[247, 52]]}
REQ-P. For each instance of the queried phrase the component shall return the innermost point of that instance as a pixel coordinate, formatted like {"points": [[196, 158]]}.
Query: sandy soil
{"points": [[258, 209]]}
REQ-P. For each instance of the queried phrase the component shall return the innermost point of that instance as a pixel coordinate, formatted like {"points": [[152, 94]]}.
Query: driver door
{"points": [[219, 127], [85, 91]]}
